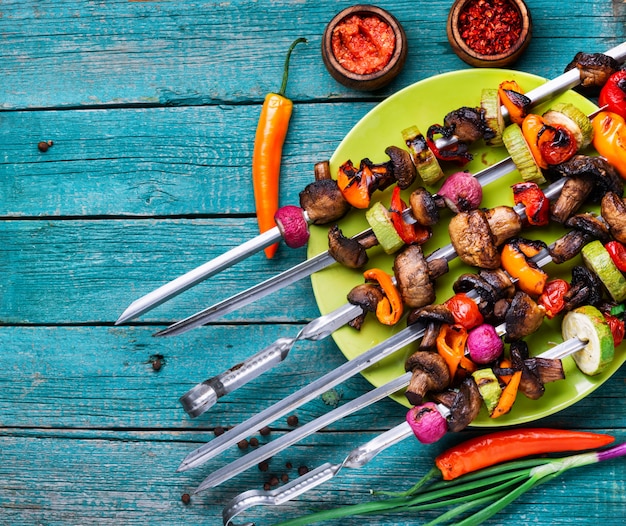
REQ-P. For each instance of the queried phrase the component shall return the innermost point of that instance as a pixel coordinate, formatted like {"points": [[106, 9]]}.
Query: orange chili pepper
{"points": [[609, 139], [502, 446], [530, 279], [508, 396], [389, 310], [532, 126], [451, 347], [514, 100], [266, 157]]}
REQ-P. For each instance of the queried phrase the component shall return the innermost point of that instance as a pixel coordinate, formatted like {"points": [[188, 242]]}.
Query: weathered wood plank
{"points": [[58, 271], [102, 378], [104, 480], [157, 161], [163, 53]]}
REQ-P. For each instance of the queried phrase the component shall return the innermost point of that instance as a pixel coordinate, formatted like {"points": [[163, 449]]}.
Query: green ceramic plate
{"points": [[423, 104]]}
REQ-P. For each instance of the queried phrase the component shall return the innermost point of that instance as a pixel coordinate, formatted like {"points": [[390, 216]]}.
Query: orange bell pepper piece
{"points": [[531, 280], [508, 396], [609, 139], [532, 125], [514, 100], [389, 310], [451, 347]]}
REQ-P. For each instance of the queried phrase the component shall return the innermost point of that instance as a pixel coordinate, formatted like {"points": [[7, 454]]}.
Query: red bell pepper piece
{"points": [[613, 93], [410, 233], [537, 204], [617, 327], [617, 251]]}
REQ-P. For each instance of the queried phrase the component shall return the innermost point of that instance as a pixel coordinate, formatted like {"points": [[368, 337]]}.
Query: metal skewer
{"points": [[304, 269], [268, 450], [204, 395], [375, 354], [357, 458], [142, 305]]}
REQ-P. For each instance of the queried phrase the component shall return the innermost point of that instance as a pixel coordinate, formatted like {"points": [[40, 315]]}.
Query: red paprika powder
{"points": [[490, 27], [363, 44]]}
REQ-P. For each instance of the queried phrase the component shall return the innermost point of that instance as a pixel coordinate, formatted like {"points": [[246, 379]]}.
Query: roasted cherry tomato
{"points": [[534, 200], [410, 233], [613, 93], [617, 328], [552, 297], [464, 310], [557, 144]]}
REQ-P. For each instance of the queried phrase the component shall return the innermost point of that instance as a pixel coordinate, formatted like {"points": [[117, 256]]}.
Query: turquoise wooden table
{"points": [[152, 108]]}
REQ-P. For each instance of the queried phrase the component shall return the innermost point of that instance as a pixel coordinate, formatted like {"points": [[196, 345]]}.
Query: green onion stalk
{"points": [[470, 499]]}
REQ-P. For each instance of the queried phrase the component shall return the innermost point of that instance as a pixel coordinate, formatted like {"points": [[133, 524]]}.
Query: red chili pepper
{"points": [[553, 297], [557, 144], [613, 93], [537, 204], [617, 327], [464, 310], [617, 252], [511, 444], [410, 233]]}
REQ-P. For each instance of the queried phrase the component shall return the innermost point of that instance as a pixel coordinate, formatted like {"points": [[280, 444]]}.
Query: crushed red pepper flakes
{"points": [[490, 27]]}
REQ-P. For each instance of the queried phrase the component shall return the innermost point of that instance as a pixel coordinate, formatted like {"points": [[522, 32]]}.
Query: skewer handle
{"points": [[205, 395]]}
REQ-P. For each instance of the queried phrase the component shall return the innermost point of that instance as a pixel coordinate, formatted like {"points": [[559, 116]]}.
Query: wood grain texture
{"points": [[152, 108]]}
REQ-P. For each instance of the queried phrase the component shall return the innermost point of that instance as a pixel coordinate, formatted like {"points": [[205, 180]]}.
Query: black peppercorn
{"points": [[219, 430], [243, 444], [44, 145], [265, 431], [186, 498], [264, 465], [254, 441], [303, 470], [292, 421], [274, 480], [284, 477]]}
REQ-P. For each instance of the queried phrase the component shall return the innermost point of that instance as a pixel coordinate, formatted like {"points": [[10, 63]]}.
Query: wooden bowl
{"points": [[370, 81], [497, 57]]}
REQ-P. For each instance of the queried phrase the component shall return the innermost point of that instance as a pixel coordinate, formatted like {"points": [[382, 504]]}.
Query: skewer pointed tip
{"points": [[184, 466]]}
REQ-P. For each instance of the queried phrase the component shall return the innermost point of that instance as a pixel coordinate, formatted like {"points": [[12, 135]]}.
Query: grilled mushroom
{"points": [[591, 224], [366, 296], [466, 406], [413, 278], [585, 289], [347, 251], [430, 373], [613, 210], [595, 69], [587, 178], [504, 223], [431, 317], [530, 383], [585, 228], [472, 239], [404, 170], [468, 124], [323, 202], [523, 317], [424, 207]]}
